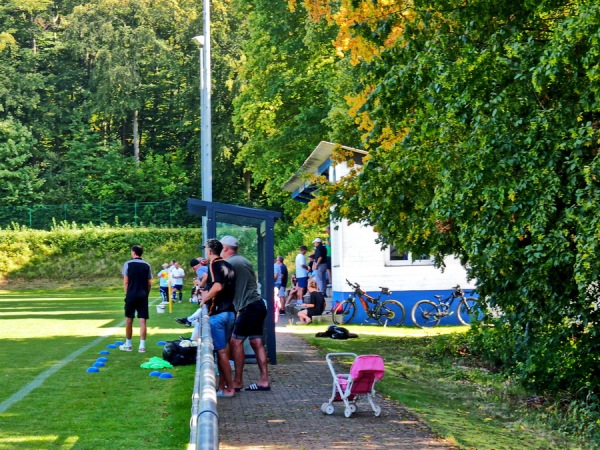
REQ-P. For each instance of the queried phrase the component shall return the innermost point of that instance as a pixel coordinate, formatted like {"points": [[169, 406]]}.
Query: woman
{"points": [[315, 306], [295, 292]]}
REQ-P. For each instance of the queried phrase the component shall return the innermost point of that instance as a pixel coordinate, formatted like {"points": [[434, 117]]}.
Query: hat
{"points": [[229, 240], [194, 262], [317, 240], [165, 265]]}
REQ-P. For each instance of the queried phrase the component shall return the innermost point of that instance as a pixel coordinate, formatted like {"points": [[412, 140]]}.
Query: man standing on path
{"points": [[137, 281], [302, 269], [221, 312], [320, 265], [251, 314]]}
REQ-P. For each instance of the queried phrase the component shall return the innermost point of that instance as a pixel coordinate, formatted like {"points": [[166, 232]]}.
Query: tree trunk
{"points": [[136, 138]]}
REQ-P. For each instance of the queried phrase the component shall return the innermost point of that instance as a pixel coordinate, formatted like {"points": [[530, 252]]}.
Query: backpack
{"points": [[180, 352]]}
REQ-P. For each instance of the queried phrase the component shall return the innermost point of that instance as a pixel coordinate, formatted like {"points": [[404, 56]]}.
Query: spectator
{"points": [[200, 266], [220, 294], [252, 312], [302, 269], [137, 281], [296, 292], [282, 271], [314, 306], [195, 294], [320, 264]]}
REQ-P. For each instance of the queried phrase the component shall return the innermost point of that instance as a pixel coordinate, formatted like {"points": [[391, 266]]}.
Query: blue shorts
{"points": [[302, 282], [221, 326], [177, 287]]}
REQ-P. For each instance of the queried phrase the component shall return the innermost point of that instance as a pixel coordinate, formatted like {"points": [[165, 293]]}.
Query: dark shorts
{"points": [[139, 305], [177, 287], [250, 321], [302, 282]]}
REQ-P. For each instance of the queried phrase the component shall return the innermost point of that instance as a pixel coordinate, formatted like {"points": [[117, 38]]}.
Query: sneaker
{"points": [[183, 321], [125, 348], [141, 350]]}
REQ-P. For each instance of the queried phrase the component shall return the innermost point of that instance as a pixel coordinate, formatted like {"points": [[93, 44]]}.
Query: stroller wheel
{"points": [[353, 407], [377, 410], [328, 409], [348, 411], [324, 407]]}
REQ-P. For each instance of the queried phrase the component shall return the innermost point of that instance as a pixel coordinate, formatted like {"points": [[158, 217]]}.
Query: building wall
{"points": [[357, 257]]}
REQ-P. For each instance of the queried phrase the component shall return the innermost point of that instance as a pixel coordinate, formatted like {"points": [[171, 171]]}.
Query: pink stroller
{"points": [[347, 388]]}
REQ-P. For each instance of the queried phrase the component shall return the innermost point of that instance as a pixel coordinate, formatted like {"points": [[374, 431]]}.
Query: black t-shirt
{"points": [[284, 275], [220, 271], [321, 251], [317, 299], [138, 273]]}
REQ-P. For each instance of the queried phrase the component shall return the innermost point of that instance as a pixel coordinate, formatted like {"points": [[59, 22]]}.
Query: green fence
{"points": [[42, 217]]}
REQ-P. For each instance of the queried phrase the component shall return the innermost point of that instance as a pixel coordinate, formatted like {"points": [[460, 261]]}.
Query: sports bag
{"points": [[181, 352]]}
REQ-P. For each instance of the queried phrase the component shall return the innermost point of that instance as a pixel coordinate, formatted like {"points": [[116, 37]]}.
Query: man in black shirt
{"points": [[320, 265], [219, 300], [137, 281]]}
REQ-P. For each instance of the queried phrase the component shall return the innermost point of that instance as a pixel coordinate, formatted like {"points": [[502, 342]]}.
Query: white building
{"points": [[358, 258]]}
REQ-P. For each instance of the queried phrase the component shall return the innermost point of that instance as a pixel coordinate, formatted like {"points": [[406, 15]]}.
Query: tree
{"points": [[19, 180], [481, 122]]}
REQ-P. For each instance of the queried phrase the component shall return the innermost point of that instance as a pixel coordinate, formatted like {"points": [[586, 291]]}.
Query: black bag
{"points": [[177, 355], [335, 332]]}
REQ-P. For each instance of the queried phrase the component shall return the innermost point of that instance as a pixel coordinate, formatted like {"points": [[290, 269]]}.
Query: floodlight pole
{"points": [[203, 43]]}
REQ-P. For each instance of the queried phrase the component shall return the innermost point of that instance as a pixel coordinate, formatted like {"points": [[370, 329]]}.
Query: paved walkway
{"points": [[289, 416]]}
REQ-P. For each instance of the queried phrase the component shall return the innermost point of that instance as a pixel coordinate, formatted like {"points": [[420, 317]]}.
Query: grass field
{"points": [[48, 400]]}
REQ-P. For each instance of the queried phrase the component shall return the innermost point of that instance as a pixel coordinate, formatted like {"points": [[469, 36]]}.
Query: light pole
{"points": [[205, 116], [203, 43]]}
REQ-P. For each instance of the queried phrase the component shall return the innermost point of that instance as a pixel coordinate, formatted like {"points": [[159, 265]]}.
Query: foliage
{"points": [[19, 178], [87, 254], [481, 122]]}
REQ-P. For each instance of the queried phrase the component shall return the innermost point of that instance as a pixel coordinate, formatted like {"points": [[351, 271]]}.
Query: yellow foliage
{"points": [[316, 213]]}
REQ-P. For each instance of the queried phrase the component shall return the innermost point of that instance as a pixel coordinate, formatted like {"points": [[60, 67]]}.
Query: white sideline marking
{"points": [[39, 380]]}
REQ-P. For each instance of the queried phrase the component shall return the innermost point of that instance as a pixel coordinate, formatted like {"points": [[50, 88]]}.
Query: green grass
{"points": [[120, 407], [429, 373]]}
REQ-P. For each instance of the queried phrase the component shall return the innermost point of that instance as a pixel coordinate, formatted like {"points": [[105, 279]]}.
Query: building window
{"points": [[397, 257]]}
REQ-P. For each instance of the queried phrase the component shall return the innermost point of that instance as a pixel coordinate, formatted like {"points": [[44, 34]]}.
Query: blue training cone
{"points": [[111, 346], [119, 343], [104, 352], [98, 364], [92, 370], [161, 343], [102, 359], [165, 375], [155, 373]]}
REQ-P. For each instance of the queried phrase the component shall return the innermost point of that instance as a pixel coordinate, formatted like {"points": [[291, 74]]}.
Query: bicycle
{"points": [[427, 313], [387, 312]]}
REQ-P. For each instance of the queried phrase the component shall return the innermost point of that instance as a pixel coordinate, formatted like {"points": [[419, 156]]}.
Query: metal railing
{"points": [[204, 424]]}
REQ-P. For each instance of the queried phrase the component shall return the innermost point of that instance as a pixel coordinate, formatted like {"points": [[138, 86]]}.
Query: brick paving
{"points": [[289, 416]]}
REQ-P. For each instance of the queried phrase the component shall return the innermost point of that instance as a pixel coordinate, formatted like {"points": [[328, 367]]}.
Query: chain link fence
{"points": [[138, 214]]}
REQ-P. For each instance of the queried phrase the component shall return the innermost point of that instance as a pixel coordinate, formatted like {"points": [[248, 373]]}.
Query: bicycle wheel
{"points": [[425, 314], [344, 312], [466, 309], [392, 313]]}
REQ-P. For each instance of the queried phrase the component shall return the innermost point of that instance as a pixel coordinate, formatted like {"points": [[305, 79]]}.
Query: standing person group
{"points": [[250, 314]]}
